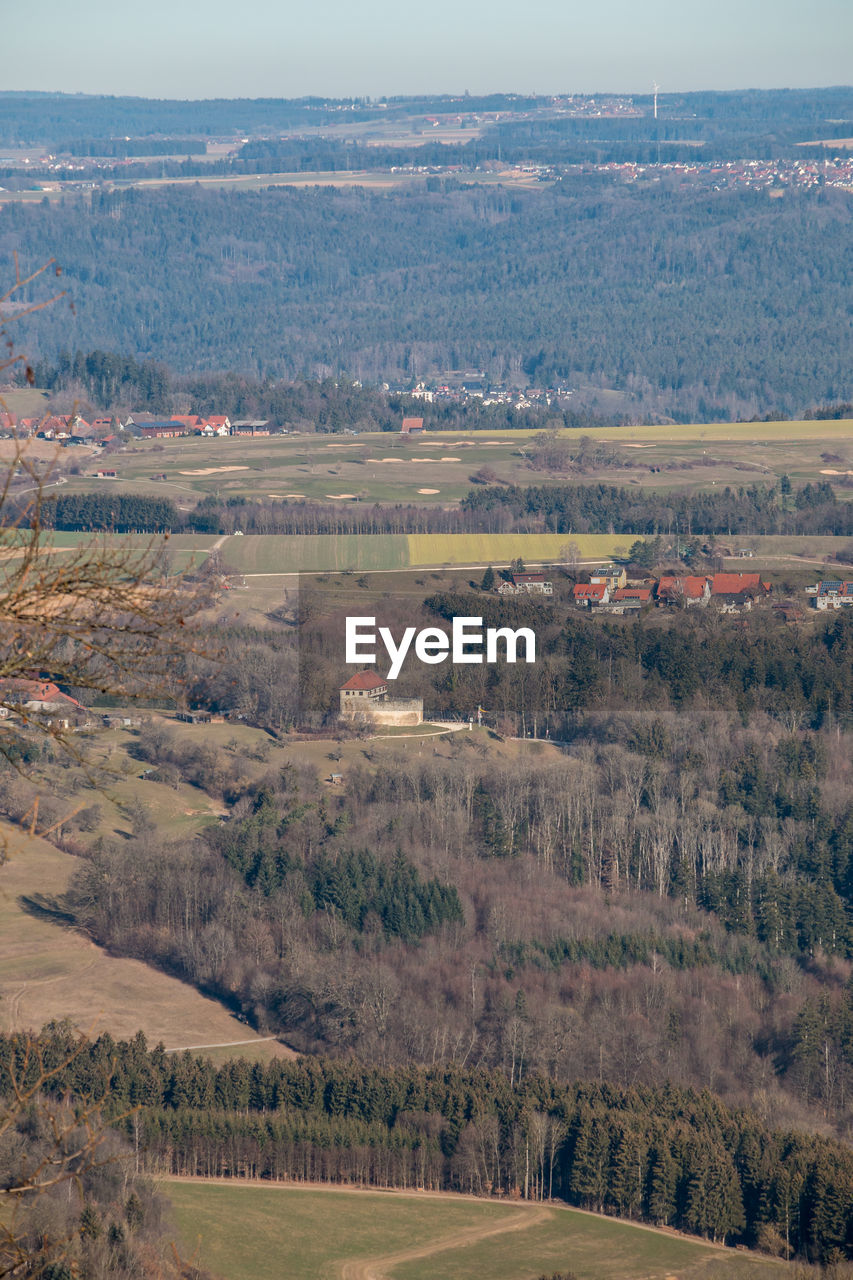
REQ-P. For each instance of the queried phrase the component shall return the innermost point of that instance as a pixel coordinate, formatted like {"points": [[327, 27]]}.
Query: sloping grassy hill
{"points": [[248, 1232]]}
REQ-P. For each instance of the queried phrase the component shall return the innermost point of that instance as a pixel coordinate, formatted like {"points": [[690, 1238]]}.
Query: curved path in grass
{"points": [[379, 1268]]}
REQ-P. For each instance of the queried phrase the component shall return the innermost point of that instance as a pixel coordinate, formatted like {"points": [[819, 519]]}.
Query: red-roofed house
{"points": [[625, 594], [732, 584], [42, 697], [590, 593], [683, 590], [736, 591], [191, 421], [412, 426]]}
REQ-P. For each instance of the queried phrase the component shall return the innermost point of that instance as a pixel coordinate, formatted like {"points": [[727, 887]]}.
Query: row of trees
{"points": [[671, 1156], [811, 509], [601, 508]]}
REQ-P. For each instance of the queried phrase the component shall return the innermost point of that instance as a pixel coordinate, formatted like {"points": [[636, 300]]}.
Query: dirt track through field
{"points": [[379, 1268]]}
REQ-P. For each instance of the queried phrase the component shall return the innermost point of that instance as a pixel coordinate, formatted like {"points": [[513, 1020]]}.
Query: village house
{"points": [[192, 421], [737, 592], [831, 594], [80, 429], [365, 697], [631, 597], [683, 590], [39, 697], [412, 427], [422, 392], [589, 594], [613, 576], [735, 583], [531, 584]]}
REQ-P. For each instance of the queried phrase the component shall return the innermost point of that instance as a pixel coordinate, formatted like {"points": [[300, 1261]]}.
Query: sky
{"points": [[342, 48]]}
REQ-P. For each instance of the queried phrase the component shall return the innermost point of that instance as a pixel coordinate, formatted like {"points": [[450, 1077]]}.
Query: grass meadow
{"points": [[49, 971], [246, 1232]]}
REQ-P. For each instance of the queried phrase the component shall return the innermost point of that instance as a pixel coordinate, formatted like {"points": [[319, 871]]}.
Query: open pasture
{"points": [[50, 971], [282, 555], [269, 564], [436, 468], [247, 1232]]}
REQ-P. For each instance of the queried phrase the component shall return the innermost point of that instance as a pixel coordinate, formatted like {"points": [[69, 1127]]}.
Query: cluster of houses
{"points": [[72, 428], [480, 388], [67, 428], [610, 589]]}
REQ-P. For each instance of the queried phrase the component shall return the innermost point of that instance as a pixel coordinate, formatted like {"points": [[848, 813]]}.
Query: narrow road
{"points": [[413, 568], [379, 1268]]}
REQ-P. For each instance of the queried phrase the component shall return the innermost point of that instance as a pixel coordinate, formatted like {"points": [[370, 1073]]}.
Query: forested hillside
{"points": [[705, 304], [672, 1156], [667, 896]]}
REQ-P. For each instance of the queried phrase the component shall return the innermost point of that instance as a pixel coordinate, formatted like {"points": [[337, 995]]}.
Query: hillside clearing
{"points": [[262, 1232], [50, 971]]}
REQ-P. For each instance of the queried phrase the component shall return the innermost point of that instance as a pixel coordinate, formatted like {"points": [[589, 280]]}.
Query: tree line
{"points": [[601, 508], [666, 1155], [810, 509]]}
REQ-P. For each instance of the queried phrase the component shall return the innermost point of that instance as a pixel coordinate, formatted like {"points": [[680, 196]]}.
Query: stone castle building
{"points": [[365, 696]]}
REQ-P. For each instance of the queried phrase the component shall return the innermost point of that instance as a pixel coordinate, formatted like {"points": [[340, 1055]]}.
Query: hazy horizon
{"points": [[170, 50], [605, 91]]}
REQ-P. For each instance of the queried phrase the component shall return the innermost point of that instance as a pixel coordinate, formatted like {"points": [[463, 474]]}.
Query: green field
{"points": [[285, 553], [436, 469], [500, 548], [272, 556], [248, 1232]]}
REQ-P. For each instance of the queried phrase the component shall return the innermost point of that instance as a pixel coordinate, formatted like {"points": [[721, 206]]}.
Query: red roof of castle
{"points": [[365, 680]]}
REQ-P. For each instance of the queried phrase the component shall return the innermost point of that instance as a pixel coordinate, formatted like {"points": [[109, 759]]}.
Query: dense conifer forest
{"points": [[668, 1155], [702, 305]]}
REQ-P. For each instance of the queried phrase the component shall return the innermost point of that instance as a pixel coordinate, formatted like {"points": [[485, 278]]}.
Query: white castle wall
{"points": [[388, 711]]}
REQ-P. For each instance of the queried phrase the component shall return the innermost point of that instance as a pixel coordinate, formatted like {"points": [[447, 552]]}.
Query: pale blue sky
{"points": [[264, 48]]}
